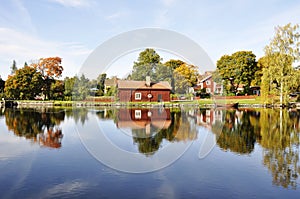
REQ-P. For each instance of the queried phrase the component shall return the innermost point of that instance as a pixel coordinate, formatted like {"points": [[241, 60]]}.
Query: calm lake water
{"points": [[149, 153]]}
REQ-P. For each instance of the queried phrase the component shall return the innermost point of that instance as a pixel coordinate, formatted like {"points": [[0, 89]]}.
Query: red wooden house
{"points": [[143, 91]]}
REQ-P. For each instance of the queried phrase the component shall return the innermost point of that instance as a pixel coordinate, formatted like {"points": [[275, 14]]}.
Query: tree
{"points": [[81, 88], [165, 72], [100, 84], [57, 90], [146, 65], [282, 52], [50, 69], [25, 84], [13, 67], [236, 69], [185, 77], [2, 83], [69, 87]]}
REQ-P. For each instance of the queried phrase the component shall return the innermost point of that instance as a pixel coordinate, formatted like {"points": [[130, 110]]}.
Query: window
{"points": [[138, 114], [207, 90], [138, 96], [207, 82]]}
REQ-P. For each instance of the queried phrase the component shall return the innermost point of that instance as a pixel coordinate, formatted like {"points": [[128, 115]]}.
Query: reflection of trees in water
{"points": [[181, 129], [280, 141], [41, 127], [78, 114], [277, 131], [238, 134]]}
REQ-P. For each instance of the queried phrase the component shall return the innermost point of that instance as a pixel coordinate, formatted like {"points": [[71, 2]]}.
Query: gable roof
{"points": [[129, 84], [110, 82], [205, 78]]}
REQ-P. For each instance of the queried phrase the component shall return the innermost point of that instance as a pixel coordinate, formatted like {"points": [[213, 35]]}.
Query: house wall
{"points": [[127, 95], [156, 114], [210, 86]]}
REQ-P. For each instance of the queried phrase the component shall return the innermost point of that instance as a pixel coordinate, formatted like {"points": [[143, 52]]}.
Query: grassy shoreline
{"points": [[206, 103]]}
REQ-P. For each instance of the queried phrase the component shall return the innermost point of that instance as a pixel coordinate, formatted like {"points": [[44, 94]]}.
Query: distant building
{"points": [[109, 83], [209, 85], [143, 91]]}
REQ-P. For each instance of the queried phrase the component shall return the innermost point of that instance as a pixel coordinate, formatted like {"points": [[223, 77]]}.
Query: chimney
{"points": [[148, 82]]}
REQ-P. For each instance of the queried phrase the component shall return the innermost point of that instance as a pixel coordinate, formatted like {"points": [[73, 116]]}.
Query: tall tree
{"points": [[81, 88], [236, 69], [185, 77], [146, 65], [13, 67], [2, 83], [101, 80], [165, 72], [50, 69], [25, 84], [282, 52]]}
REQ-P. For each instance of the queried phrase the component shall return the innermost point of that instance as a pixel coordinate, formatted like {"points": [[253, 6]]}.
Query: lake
{"points": [[149, 153]]}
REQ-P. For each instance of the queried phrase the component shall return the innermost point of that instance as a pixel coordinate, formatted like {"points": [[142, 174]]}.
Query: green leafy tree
{"points": [[282, 52], [100, 84], [81, 88], [2, 83], [69, 86], [25, 84], [165, 72], [236, 69], [146, 65], [57, 90]]}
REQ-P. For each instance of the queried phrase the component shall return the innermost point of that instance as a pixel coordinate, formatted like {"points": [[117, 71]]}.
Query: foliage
{"points": [[41, 127], [282, 52], [112, 91], [69, 86], [2, 83], [50, 69], [185, 76], [26, 83], [100, 84], [81, 88], [165, 72], [146, 65], [236, 69], [57, 90]]}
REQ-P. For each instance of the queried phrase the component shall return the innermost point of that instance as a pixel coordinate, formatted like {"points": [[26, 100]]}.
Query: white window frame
{"points": [[138, 96], [207, 82], [137, 114], [208, 90]]}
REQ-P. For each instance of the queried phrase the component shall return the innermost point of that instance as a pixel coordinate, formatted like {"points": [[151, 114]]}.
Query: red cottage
{"points": [[143, 91]]}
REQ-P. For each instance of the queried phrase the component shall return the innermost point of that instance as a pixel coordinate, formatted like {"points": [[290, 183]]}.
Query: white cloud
{"points": [[19, 46], [74, 3]]}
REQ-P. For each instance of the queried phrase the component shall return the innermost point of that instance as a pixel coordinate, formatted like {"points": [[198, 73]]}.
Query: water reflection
{"points": [[277, 131], [239, 131], [150, 127], [40, 126]]}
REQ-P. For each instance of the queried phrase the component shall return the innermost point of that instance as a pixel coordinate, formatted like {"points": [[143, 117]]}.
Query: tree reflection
{"points": [[39, 126], [150, 130], [238, 134], [276, 130], [280, 140]]}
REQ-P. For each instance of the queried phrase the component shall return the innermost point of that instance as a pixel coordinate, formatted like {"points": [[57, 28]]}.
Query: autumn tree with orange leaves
{"points": [[50, 69]]}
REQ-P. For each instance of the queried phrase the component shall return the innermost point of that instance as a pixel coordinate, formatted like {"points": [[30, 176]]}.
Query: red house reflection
{"points": [[144, 119]]}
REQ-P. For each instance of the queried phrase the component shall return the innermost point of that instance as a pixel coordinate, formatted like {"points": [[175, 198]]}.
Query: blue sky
{"points": [[72, 29]]}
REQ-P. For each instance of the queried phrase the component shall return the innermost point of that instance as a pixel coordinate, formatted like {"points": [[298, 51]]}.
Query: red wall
{"points": [[129, 95]]}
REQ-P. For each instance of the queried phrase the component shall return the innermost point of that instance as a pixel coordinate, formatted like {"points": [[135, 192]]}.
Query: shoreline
{"points": [[195, 104]]}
